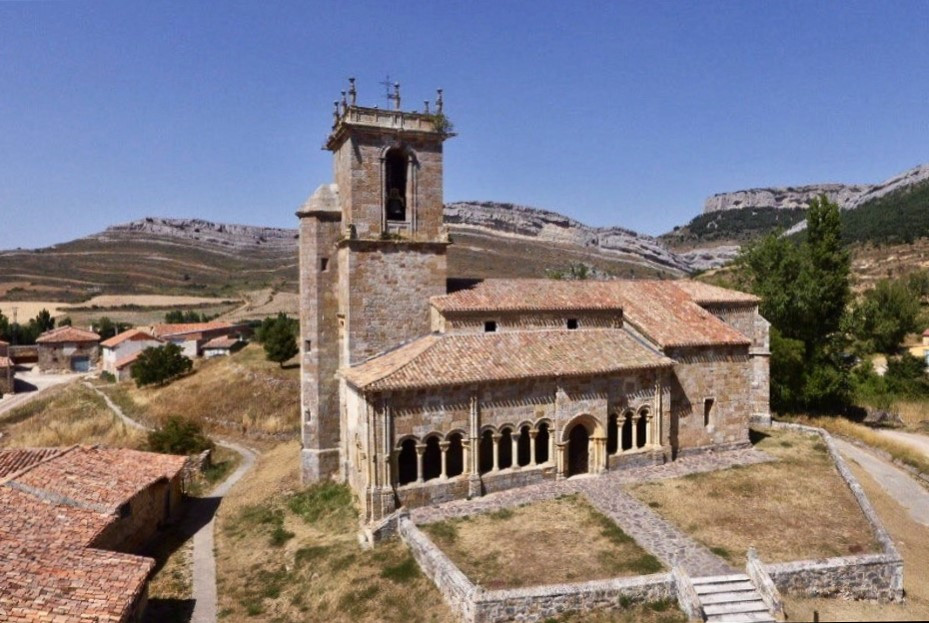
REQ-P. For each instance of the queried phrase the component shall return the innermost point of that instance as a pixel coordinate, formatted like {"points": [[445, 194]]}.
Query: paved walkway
{"points": [[200, 519], [896, 482], [605, 493], [32, 385]]}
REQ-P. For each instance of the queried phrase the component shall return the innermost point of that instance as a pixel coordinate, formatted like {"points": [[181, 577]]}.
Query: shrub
{"points": [[159, 365], [179, 435], [279, 339]]}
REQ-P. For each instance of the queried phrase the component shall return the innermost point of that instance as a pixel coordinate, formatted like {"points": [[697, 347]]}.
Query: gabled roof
{"points": [[222, 341], [136, 335], [458, 359], [13, 460], [67, 334], [706, 294], [26, 518], [101, 479], [127, 360], [170, 330], [662, 310]]}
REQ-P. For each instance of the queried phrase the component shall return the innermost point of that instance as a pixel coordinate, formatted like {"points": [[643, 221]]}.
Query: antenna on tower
{"points": [[387, 84]]}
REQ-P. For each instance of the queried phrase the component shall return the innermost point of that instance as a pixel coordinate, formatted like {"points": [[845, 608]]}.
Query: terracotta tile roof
{"points": [[165, 330], [68, 585], [531, 295], [704, 293], [26, 518], [127, 360], [131, 334], [67, 334], [14, 460], [662, 310], [98, 478], [222, 342], [453, 359], [6, 362]]}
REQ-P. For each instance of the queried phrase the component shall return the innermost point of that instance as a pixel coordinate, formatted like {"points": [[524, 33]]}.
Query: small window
{"points": [[707, 411], [308, 346], [572, 323], [323, 264], [490, 326]]}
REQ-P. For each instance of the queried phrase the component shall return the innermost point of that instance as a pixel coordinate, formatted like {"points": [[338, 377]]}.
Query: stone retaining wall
{"points": [[869, 576], [538, 603]]}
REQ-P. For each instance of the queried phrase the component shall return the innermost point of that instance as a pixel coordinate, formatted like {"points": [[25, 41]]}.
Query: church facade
{"points": [[415, 395]]}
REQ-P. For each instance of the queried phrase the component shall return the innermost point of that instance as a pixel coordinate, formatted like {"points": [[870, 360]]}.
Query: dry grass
{"points": [[914, 413], [286, 554], [840, 426], [911, 538], [502, 549], [241, 396], [71, 415], [801, 495], [664, 611]]}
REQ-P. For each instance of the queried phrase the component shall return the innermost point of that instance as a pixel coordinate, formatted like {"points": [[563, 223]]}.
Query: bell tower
{"points": [[372, 252]]}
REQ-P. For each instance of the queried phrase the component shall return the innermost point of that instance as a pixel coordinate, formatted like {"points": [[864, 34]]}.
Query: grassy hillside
{"points": [[732, 226], [899, 217]]}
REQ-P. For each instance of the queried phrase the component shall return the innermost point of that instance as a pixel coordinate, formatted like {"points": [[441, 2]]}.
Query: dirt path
{"points": [[39, 385], [201, 512], [896, 483], [914, 440]]}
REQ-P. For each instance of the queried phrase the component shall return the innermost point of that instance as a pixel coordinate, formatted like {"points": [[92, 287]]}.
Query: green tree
{"points": [[159, 365], [280, 340], [804, 290], [44, 321], [179, 435], [884, 315], [105, 328]]}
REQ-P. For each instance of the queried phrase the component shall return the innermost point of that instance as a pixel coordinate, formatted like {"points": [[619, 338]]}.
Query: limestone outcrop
{"points": [[785, 197]]}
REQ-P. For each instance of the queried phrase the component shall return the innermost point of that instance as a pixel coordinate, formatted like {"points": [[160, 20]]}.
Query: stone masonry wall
{"points": [[384, 293], [148, 510], [722, 374], [6, 380], [57, 357]]}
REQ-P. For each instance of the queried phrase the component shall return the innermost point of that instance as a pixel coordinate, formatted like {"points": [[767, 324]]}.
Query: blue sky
{"points": [[614, 113]]}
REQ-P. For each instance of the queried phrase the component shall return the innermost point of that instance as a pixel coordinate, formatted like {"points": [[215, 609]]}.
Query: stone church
{"points": [[413, 394]]}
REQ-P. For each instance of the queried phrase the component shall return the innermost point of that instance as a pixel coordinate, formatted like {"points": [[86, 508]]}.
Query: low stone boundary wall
{"points": [[869, 576], [538, 603]]}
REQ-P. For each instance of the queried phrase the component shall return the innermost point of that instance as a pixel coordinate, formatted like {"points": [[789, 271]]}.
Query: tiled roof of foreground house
{"points": [[64, 585], [54, 503], [453, 359], [705, 293], [67, 334], [665, 311], [100, 478], [131, 334]]}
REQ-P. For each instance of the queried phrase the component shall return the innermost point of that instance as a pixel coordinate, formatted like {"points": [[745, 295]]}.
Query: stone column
{"points": [[560, 460], [474, 477], [532, 435], [443, 446], [420, 451], [598, 458], [497, 437], [515, 439]]}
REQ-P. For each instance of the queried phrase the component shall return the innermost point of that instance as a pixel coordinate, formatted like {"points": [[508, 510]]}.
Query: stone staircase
{"points": [[731, 599]]}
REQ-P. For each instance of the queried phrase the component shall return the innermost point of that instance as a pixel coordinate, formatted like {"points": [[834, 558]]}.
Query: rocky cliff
{"points": [[785, 197]]}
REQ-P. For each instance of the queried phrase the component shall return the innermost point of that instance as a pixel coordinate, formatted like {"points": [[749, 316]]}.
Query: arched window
{"points": [[486, 458], [395, 168], [641, 429], [506, 449], [407, 462], [627, 431], [432, 459], [541, 444], [454, 456], [612, 434], [524, 447]]}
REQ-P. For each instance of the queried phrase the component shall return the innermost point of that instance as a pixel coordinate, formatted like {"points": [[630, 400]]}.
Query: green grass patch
{"points": [[326, 502], [405, 571]]}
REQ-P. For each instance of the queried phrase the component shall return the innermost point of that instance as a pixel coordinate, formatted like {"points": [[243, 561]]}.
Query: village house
{"points": [[222, 346], [68, 349], [121, 351], [7, 370], [192, 336], [415, 395], [72, 523]]}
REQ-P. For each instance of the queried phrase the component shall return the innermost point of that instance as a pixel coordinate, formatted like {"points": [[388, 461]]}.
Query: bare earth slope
{"points": [[196, 257]]}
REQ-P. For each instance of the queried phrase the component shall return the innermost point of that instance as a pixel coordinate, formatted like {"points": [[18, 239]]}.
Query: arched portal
{"points": [[578, 450], [407, 462]]}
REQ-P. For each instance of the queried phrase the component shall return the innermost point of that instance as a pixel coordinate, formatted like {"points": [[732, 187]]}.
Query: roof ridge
{"points": [[9, 477], [436, 337]]}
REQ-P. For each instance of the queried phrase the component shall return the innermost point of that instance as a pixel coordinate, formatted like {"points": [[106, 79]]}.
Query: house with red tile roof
{"points": [[413, 394], [191, 336], [120, 351], [68, 349], [72, 521]]}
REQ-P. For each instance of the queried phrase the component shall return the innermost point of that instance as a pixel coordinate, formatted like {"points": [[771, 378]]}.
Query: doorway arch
{"points": [[578, 450]]}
